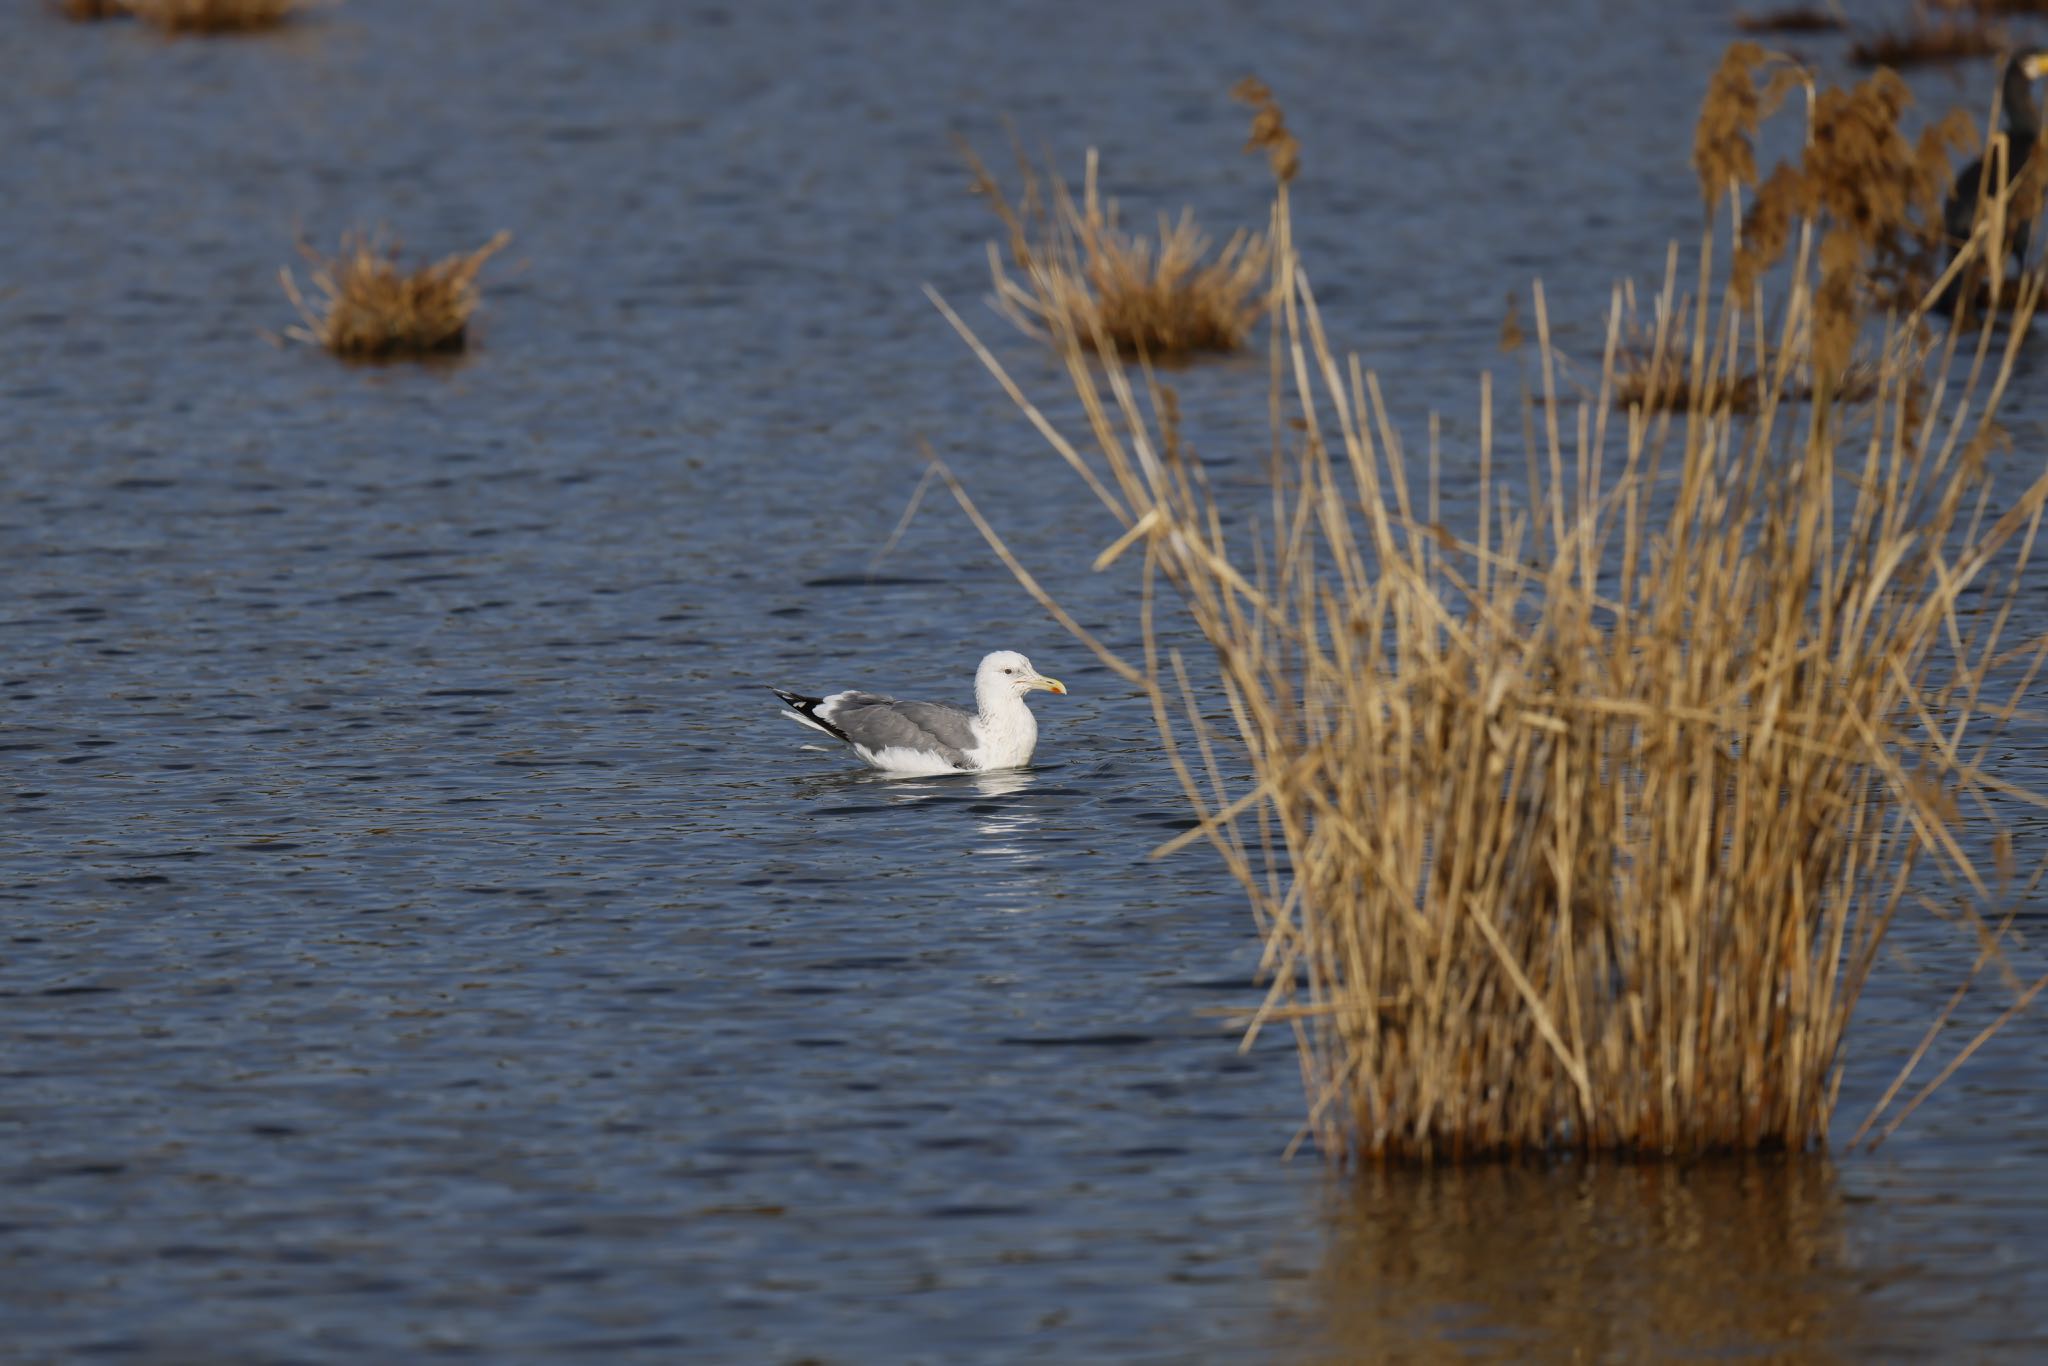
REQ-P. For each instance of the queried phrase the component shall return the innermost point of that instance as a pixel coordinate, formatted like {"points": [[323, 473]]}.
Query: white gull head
{"points": [[1007, 729], [1005, 675]]}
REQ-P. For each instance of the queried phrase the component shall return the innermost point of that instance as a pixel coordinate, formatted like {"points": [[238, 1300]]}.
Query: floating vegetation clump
{"points": [[87, 10], [1082, 278], [1581, 825], [215, 16], [1798, 20], [369, 308], [1998, 6], [1922, 42]]}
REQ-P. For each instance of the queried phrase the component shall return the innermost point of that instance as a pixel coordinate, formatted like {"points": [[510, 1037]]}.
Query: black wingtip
{"points": [[807, 707]]}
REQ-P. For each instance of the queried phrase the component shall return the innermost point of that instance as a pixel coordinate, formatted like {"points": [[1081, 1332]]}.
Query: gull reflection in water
{"points": [[1008, 850], [1002, 831], [1004, 823]]}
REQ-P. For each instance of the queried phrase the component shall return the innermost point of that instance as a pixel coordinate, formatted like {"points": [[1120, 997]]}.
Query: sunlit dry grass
{"points": [[1081, 277], [1582, 825], [369, 308]]}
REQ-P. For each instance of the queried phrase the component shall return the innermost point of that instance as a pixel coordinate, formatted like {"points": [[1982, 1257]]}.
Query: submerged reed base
{"points": [[370, 309], [1581, 826], [1080, 275]]}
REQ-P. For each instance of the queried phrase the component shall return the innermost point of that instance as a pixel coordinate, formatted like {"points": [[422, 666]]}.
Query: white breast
{"points": [[1007, 738]]}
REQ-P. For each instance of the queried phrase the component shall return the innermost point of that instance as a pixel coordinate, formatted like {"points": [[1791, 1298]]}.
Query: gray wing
{"points": [[875, 722]]}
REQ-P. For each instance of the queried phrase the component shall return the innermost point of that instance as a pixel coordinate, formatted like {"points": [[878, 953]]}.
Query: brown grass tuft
{"points": [[1084, 278], [1582, 826], [370, 309], [1922, 42]]}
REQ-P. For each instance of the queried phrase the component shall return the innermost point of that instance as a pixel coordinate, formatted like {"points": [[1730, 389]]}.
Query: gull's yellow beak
{"points": [[2035, 65], [1049, 684]]}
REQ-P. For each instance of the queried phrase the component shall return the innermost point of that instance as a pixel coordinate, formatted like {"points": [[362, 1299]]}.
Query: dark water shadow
{"points": [[1617, 1262]]}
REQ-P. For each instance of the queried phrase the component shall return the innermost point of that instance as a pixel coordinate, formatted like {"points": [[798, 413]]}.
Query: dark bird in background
{"points": [[1976, 180]]}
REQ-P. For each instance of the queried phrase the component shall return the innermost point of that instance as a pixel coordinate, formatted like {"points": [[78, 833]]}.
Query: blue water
{"points": [[423, 938]]}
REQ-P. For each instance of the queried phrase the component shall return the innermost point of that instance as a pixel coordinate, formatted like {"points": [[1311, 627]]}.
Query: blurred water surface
{"points": [[421, 935]]}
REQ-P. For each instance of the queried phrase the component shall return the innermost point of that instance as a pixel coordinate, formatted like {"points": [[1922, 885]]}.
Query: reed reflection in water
{"points": [[1615, 1262]]}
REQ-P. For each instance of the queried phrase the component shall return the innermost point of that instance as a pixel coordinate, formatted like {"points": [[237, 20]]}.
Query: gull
{"points": [[931, 737]]}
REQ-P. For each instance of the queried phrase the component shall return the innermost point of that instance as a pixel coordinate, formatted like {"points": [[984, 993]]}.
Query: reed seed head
{"points": [[1724, 148], [1269, 129]]}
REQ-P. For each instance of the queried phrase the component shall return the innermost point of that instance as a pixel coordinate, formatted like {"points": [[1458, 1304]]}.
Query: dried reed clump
{"points": [[1803, 19], [1921, 42], [215, 16], [371, 309], [192, 16], [1581, 827], [1084, 278]]}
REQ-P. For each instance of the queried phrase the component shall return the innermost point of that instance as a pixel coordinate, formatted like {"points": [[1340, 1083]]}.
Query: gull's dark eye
{"points": [[1009, 671]]}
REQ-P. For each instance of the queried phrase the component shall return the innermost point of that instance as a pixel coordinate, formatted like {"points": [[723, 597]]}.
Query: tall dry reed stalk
{"points": [[1581, 827]]}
